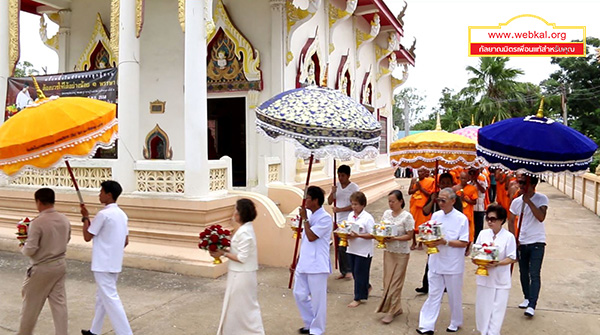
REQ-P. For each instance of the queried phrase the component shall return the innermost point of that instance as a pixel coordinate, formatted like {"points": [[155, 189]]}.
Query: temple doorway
{"points": [[227, 134]]}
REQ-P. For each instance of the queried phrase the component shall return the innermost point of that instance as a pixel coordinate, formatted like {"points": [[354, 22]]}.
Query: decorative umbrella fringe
{"points": [[99, 145], [522, 160], [536, 174], [70, 144], [369, 141]]}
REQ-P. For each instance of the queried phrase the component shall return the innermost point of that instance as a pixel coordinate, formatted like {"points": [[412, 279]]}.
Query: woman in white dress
{"points": [[493, 290], [241, 312], [395, 257]]}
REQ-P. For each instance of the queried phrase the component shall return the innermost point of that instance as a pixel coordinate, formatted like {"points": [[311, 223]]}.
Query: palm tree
{"points": [[494, 89]]}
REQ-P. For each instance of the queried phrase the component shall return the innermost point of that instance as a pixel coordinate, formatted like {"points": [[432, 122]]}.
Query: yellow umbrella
{"points": [[434, 148], [54, 129]]}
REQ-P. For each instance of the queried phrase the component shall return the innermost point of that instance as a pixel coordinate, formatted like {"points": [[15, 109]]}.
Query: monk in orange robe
{"points": [[468, 195], [486, 173], [502, 189], [419, 191]]}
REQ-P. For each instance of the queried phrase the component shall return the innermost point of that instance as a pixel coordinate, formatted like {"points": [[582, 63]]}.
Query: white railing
{"points": [[89, 175], [220, 175], [584, 189]]}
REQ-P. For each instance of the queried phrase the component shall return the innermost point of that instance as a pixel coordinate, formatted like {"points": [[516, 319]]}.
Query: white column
{"points": [[129, 98], [4, 70], [195, 108], [64, 40]]}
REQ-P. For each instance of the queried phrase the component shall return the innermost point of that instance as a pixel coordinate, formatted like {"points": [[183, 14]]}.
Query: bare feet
{"points": [[341, 277], [353, 304], [387, 319], [420, 247], [346, 276], [413, 246]]}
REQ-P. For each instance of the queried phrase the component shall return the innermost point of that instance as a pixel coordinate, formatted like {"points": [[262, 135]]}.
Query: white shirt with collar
{"points": [[498, 277], [361, 246], [480, 204], [314, 256], [243, 245], [450, 260], [109, 228]]}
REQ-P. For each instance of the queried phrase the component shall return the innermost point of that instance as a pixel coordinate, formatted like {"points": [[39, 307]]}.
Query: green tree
{"points": [[24, 69], [579, 78], [494, 89], [416, 103]]}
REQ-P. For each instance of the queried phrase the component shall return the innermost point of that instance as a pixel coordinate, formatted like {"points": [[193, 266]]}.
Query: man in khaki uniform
{"points": [[46, 245]]}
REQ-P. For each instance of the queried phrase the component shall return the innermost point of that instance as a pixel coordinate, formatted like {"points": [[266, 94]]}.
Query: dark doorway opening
{"points": [[227, 134]]}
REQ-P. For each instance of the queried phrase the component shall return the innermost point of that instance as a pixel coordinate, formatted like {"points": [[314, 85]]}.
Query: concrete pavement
{"points": [[163, 303]]}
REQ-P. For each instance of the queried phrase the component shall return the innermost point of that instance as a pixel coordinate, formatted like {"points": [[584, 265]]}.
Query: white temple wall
{"points": [[83, 18], [162, 74]]}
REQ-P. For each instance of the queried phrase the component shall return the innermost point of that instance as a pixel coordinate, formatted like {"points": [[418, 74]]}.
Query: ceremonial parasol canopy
{"points": [[321, 122], [434, 148], [468, 132], [536, 145], [52, 130]]}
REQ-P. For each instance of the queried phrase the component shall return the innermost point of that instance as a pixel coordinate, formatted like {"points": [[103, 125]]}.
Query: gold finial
{"points": [[540, 112], [326, 76], [40, 94], [472, 119], [459, 125], [493, 120], [438, 124], [481, 123]]}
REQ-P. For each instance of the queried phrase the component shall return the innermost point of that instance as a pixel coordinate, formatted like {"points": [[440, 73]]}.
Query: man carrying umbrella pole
{"points": [[531, 238], [341, 196], [110, 234]]}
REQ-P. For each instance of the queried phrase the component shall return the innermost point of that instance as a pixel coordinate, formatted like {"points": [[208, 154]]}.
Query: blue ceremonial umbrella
{"points": [[536, 145], [321, 122]]}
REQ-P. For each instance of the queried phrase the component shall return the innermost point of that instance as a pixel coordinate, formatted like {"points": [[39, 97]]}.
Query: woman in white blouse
{"points": [[395, 257], [492, 290], [241, 312]]}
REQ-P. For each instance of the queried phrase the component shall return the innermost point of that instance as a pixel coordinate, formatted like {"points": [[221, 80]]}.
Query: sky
{"points": [[441, 29]]}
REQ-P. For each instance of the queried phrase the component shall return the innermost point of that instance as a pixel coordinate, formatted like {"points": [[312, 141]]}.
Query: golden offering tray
{"points": [[431, 248], [481, 269], [343, 239], [380, 239]]}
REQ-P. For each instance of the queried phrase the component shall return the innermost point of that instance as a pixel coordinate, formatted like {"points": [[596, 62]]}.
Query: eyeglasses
{"points": [[442, 200], [491, 219], [522, 182]]}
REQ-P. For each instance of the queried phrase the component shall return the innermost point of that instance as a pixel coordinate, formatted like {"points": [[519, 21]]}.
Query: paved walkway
{"points": [[164, 304]]}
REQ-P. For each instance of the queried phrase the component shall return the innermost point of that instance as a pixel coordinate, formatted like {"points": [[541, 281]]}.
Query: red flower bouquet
{"points": [[22, 229], [214, 238]]}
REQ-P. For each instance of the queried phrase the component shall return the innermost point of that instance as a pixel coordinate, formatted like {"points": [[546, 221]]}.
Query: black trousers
{"points": [[343, 261], [478, 217], [361, 270]]}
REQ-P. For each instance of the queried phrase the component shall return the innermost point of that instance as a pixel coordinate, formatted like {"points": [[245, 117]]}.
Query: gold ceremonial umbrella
{"points": [[434, 148], [54, 129]]}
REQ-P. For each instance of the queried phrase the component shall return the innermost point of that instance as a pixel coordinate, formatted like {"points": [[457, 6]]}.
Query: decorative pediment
{"points": [[233, 64], [344, 80], [157, 145], [338, 15], [295, 18], [98, 54], [398, 82], [387, 69], [310, 69], [51, 42]]}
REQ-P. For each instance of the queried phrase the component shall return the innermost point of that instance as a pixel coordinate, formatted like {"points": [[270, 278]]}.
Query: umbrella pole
{"points": [[299, 229], [74, 182], [520, 223], [335, 238], [435, 174]]}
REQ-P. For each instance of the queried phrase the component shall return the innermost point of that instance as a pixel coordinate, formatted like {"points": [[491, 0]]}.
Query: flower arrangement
{"points": [[22, 230], [483, 254], [382, 230], [343, 230], [214, 238], [12, 110], [430, 231], [294, 224]]}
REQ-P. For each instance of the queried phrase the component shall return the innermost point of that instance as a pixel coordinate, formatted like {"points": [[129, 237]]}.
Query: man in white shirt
{"points": [[341, 196], [23, 98], [110, 234], [314, 266], [531, 238], [446, 268]]}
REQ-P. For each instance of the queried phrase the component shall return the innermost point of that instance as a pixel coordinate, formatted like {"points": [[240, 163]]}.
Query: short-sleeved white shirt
{"points": [[314, 256], [342, 199], [360, 246], [480, 203], [532, 230], [450, 260], [405, 223], [498, 277], [109, 228]]}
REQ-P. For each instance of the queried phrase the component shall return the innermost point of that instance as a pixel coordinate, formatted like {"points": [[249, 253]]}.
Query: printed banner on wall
{"points": [[96, 84]]}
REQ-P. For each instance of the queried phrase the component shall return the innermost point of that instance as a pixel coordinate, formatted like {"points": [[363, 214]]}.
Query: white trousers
{"points": [[431, 308], [490, 307], [310, 291], [109, 303]]}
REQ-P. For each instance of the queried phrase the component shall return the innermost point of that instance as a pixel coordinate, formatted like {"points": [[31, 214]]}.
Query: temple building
{"points": [[190, 75]]}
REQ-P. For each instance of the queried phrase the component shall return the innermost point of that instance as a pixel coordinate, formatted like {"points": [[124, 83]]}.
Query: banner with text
{"points": [[527, 36]]}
